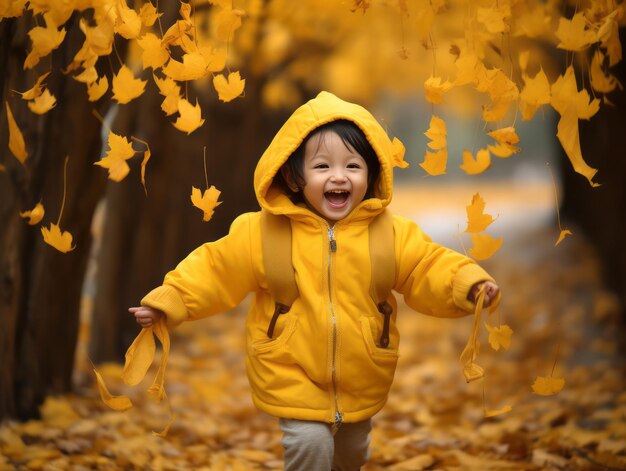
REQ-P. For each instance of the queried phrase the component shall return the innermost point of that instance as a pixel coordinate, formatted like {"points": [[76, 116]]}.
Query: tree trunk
{"points": [[41, 287]]}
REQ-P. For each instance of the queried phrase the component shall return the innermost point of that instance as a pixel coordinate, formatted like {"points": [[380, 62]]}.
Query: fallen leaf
{"points": [[536, 92], [547, 385], [227, 21], [34, 215], [165, 431], [499, 336], [496, 412], [207, 202]]}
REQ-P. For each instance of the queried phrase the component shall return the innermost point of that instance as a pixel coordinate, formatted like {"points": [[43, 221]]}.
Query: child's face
{"points": [[335, 176]]}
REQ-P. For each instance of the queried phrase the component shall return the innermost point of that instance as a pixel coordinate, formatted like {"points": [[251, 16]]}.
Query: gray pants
{"points": [[311, 446]]}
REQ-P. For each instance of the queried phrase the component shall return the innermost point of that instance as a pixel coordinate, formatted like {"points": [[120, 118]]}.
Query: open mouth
{"points": [[337, 198]]}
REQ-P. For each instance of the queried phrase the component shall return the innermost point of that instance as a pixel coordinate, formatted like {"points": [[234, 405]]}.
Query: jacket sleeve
{"points": [[213, 278], [434, 280]]}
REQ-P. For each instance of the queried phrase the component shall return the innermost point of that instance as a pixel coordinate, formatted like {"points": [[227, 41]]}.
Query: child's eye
{"points": [[354, 166], [321, 166]]}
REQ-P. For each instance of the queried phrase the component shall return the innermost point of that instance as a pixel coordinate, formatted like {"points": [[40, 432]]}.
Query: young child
{"points": [[320, 368]]}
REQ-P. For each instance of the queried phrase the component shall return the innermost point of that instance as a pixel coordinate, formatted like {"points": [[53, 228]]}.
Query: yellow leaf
{"points": [[16, 139], [214, 58], [126, 87], [547, 385], [118, 403], [435, 163], [573, 34], [165, 431], [89, 75], [12, 8], [506, 138], [600, 81], [166, 85], [190, 118], [495, 19], [476, 166], [484, 246], [95, 90], [45, 40], [207, 202], [34, 215], [115, 160], [499, 336], [139, 357], [436, 133], [230, 89], [128, 22], [435, 89], [154, 54], [566, 97], [495, 412], [570, 140], [227, 22], [536, 92], [43, 103], [98, 38], [398, 152], [144, 162], [36, 89], [180, 34], [562, 235], [193, 67], [148, 14], [170, 104], [60, 240], [469, 69], [477, 221], [472, 372]]}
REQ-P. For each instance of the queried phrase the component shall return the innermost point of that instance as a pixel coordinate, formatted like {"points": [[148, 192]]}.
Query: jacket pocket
{"points": [[267, 346], [378, 354]]}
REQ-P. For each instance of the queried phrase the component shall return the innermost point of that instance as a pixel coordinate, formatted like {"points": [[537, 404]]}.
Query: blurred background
{"points": [[61, 312]]}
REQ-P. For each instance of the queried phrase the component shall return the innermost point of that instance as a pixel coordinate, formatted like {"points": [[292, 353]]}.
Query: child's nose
{"points": [[338, 176]]}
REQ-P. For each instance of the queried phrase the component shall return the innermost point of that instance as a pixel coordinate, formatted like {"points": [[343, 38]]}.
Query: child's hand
{"points": [[146, 316], [491, 292]]}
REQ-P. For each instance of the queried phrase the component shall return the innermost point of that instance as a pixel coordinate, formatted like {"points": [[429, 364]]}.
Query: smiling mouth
{"points": [[337, 198]]}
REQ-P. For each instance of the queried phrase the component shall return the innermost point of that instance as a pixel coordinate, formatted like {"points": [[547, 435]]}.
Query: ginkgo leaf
{"points": [[128, 22], [45, 40], [499, 336], [144, 162], [435, 162], [34, 215], [193, 67], [36, 89], [126, 87], [96, 89], [437, 133], [435, 88], [214, 57], [89, 75], [115, 160], [190, 118], [43, 103], [476, 166], [567, 132], [154, 54], [398, 152], [60, 240], [120, 147], [506, 138], [566, 97], [477, 221], [484, 246], [148, 14], [17, 146], [139, 357], [227, 21], [495, 412], [547, 385], [573, 34], [180, 34], [118, 403], [600, 81], [207, 202], [230, 89], [564, 232], [98, 38], [166, 85]]}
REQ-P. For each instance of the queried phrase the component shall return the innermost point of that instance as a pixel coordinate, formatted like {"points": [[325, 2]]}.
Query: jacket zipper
{"points": [[332, 248]]}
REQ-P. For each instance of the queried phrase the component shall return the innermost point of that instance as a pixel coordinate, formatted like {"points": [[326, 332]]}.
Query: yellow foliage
{"points": [[126, 87], [34, 215], [206, 201], [230, 89], [484, 246], [190, 117], [96, 89], [435, 163], [478, 165], [547, 385], [17, 145], [154, 54], [45, 40], [477, 221], [43, 103], [60, 240]]}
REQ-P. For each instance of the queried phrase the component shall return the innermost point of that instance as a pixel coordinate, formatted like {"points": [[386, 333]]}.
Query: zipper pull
{"points": [[338, 421], [331, 238]]}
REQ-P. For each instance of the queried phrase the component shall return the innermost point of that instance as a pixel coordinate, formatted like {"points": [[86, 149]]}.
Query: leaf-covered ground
{"points": [[553, 300]]}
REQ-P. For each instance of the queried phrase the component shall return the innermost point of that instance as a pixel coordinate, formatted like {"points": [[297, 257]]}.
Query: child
{"points": [[320, 367]]}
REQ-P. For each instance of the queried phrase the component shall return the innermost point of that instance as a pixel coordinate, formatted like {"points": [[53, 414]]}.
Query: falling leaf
{"points": [[477, 221], [120, 150], [484, 246], [118, 403], [495, 19], [601, 81], [564, 232], [126, 87], [16, 139], [476, 166], [495, 412], [95, 90], [190, 118], [230, 89], [499, 336], [128, 22], [435, 89], [567, 99], [207, 202], [180, 34], [43, 103], [506, 139], [60, 240], [36, 89], [154, 54], [573, 34], [194, 66], [148, 14], [436, 133], [45, 40], [12, 8], [144, 162], [227, 21], [547, 385], [567, 132], [34, 215], [139, 357], [435, 162], [398, 152]]}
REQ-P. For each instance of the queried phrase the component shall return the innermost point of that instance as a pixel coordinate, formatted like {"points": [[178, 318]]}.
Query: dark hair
{"points": [[350, 134]]}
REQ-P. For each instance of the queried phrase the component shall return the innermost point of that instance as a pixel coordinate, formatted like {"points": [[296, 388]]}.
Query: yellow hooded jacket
{"points": [[323, 362]]}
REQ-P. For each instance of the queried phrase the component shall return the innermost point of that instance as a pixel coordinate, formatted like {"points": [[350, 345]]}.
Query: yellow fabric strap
{"points": [[382, 257], [276, 246]]}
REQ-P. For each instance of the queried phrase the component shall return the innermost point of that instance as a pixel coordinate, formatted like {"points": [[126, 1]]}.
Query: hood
{"points": [[322, 109]]}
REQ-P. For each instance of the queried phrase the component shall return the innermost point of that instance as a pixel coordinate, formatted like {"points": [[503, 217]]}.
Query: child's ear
{"points": [[291, 183]]}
